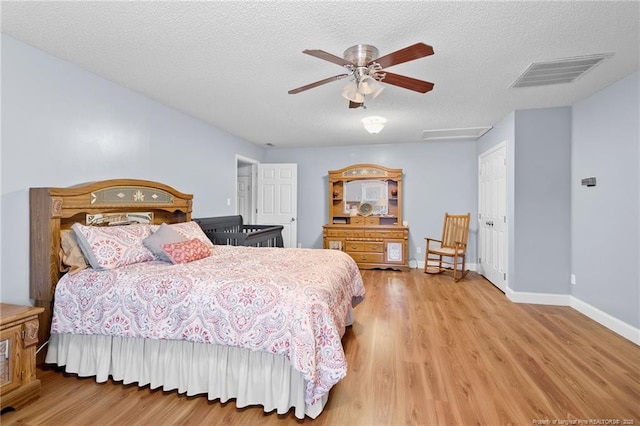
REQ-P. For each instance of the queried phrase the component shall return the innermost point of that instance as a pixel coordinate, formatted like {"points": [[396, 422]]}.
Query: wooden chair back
{"points": [[455, 231]]}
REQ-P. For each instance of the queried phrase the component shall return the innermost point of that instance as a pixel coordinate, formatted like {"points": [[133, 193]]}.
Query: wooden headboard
{"points": [[56, 209]]}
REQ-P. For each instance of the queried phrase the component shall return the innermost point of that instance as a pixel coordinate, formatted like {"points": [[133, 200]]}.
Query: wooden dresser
{"points": [[18, 343], [365, 216]]}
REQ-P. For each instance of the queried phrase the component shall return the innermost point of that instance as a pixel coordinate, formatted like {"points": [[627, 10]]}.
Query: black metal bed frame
{"points": [[230, 230]]}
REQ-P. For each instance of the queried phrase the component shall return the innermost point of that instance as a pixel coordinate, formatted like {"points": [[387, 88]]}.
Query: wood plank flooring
{"points": [[423, 351]]}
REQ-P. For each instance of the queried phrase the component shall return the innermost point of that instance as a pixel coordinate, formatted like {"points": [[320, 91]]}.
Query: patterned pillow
{"points": [[191, 230], [186, 251], [114, 246]]}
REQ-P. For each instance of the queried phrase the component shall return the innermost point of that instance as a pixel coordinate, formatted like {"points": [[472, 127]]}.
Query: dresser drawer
{"points": [[373, 247], [364, 257], [383, 234], [356, 233], [360, 220]]}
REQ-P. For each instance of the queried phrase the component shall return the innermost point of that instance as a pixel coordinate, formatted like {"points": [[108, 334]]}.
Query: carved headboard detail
{"points": [[55, 209]]}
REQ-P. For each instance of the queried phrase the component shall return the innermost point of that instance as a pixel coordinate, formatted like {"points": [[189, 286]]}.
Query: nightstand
{"points": [[18, 344]]}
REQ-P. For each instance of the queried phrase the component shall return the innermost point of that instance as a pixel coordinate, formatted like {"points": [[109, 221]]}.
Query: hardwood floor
{"points": [[423, 351]]}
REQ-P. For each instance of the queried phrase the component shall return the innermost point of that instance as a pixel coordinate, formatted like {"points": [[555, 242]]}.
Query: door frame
{"points": [[241, 160]]}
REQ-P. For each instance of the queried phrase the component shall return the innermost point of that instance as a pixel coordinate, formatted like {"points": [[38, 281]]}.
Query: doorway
{"points": [[246, 187], [266, 194]]}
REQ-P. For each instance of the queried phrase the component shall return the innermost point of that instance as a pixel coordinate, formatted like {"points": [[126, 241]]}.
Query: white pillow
{"points": [[191, 230]]}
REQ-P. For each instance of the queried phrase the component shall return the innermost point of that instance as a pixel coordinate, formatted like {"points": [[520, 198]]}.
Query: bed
{"points": [[262, 325]]}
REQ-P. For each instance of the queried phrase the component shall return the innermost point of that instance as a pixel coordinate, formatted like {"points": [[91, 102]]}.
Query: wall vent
{"points": [[448, 134], [559, 71]]}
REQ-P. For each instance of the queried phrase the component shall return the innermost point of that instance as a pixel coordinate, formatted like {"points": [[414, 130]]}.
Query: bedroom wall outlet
{"points": [[573, 279], [228, 201], [418, 250]]}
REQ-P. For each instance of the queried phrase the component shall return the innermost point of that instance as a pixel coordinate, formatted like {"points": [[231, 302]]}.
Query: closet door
{"points": [[492, 215]]}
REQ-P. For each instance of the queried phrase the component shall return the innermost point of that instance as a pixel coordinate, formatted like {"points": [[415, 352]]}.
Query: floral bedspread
{"points": [[291, 302]]}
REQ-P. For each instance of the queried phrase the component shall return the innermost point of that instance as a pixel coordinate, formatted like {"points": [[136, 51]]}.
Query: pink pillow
{"points": [[186, 251]]}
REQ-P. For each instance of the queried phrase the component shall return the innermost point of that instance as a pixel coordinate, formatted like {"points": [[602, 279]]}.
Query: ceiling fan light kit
{"points": [[352, 93], [366, 71], [365, 82], [370, 86]]}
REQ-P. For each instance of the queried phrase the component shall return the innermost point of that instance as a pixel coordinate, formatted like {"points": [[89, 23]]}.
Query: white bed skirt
{"points": [[220, 372]]}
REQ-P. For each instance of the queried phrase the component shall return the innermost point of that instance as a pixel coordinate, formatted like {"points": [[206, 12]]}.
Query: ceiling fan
{"points": [[368, 71]]}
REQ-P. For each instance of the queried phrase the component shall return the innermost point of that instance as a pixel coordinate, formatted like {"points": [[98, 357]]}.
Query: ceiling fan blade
{"points": [[317, 83], [407, 82], [355, 104], [327, 56], [416, 51]]}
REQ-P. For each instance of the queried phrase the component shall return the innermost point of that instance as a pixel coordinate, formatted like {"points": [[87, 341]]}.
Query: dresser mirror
{"points": [[374, 192]]}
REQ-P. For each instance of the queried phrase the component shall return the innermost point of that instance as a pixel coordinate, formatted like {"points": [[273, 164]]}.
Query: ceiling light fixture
{"points": [[374, 124]]}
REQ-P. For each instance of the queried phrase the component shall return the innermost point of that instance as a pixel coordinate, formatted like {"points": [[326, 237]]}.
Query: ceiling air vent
{"points": [[449, 134], [558, 71]]}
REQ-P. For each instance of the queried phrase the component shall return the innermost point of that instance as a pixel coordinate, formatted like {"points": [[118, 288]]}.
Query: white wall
{"points": [[605, 219], [62, 126], [542, 201]]}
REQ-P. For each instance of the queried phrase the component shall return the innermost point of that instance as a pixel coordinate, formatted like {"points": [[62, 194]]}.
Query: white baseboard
{"points": [[625, 330], [538, 298]]}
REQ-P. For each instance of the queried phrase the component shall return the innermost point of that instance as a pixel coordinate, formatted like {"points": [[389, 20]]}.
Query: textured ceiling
{"points": [[232, 63]]}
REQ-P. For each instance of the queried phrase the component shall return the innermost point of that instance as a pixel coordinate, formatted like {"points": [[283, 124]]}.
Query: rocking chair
{"points": [[452, 247]]}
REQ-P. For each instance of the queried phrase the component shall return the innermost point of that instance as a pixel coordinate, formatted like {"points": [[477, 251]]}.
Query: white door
{"points": [[244, 198], [278, 200], [492, 215]]}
